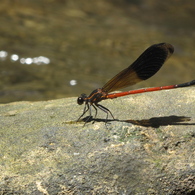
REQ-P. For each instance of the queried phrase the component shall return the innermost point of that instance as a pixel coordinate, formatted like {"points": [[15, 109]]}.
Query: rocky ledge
{"points": [[150, 149]]}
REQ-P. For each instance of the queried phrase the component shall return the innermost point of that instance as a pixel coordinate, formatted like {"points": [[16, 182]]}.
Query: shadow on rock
{"points": [[161, 121], [152, 122]]}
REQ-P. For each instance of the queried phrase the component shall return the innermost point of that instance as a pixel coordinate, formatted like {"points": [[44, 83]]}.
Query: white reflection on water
{"points": [[73, 82], [40, 60], [28, 61], [3, 55], [14, 57]]}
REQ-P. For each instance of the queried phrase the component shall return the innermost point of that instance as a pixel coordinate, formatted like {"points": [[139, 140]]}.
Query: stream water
{"points": [[56, 49]]}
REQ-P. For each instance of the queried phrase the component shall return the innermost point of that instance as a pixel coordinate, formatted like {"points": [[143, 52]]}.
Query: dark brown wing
{"points": [[148, 63]]}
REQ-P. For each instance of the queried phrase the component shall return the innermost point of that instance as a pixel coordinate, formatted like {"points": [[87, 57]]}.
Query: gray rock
{"points": [[149, 150]]}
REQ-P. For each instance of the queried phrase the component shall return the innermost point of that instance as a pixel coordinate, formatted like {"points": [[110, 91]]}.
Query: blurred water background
{"points": [[62, 48]]}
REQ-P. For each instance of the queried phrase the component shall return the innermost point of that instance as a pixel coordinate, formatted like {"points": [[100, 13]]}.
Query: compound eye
{"points": [[80, 100]]}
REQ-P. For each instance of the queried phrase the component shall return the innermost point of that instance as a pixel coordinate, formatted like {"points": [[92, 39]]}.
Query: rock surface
{"points": [[149, 150]]}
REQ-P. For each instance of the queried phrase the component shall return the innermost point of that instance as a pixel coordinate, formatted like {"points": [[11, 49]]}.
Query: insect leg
{"points": [[106, 110]]}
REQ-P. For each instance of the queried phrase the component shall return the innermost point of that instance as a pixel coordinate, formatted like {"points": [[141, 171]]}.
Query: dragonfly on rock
{"points": [[146, 65]]}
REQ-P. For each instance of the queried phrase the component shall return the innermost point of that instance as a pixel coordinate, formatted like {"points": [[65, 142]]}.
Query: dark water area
{"points": [[62, 48]]}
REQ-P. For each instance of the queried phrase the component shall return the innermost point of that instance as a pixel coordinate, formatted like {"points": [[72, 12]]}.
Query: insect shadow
{"points": [[152, 122]]}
